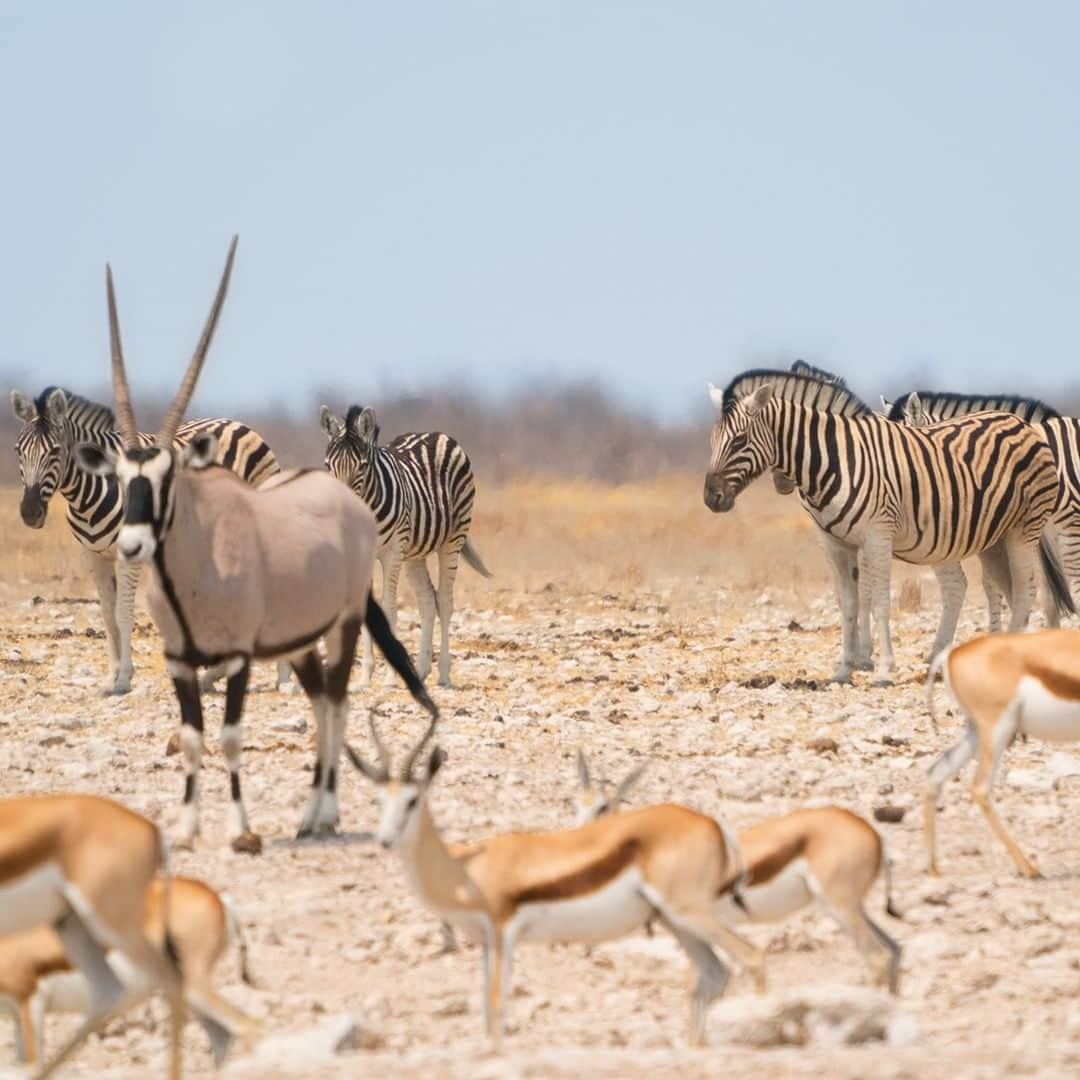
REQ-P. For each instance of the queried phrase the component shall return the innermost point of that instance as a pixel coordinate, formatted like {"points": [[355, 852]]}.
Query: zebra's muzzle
{"points": [[33, 508], [718, 499]]}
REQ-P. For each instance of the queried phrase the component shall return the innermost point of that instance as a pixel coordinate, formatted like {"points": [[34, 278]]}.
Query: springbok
{"points": [[82, 865], [598, 797], [36, 976], [825, 855], [1006, 685], [590, 884], [242, 573]]}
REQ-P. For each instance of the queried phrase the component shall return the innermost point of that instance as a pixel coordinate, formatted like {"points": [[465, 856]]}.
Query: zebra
{"points": [[53, 425], [420, 487], [922, 407], [923, 496]]}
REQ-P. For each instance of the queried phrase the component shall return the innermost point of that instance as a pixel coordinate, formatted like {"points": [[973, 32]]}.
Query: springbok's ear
{"points": [[716, 396], [200, 452], [626, 783], [331, 424], [97, 460], [22, 407], [435, 763], [759, 399], [56, 405], [583, 770]]}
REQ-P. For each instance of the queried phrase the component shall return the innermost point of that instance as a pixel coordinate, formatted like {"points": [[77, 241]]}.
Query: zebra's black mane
{"points": [[90, 414], [814, 392], [1027, 408], [801, 367]]}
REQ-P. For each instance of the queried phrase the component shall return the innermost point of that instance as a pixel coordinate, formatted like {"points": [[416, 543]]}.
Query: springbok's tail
{"points": [[235, 931], [731, 842], [931, 681], [472, 557], [395, 653], [1056, 581]]}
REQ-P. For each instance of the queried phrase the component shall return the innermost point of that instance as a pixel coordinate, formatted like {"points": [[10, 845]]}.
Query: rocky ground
{"points": [[634, 624]]}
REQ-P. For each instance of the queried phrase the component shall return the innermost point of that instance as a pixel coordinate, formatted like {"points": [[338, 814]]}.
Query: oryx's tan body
{"points": [[83, 865], [1005, 684], [37, 977], [260, 572]]}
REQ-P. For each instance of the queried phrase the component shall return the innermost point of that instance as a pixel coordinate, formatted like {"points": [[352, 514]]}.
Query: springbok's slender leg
{"points": [[990, 753], [186, 682], [103, 571], [952, 581], [448, 567], [232, 743], [493, 973], [943, 770], [747, 955], [27, 1033], [878, 549], [712, 979], [420, 580], [340, 653], [1024, 586], [312, 677], [844, 569]]}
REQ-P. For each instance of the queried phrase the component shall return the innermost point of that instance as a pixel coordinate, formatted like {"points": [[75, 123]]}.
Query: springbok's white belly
{"points": [[1044, 715], [609, 912], [774, 899], [33, 899]]}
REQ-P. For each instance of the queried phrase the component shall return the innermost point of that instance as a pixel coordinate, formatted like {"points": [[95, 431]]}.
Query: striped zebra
{"points": [[834, 396], [421, 489], [53, 425], [922, 496], [922, 407]]}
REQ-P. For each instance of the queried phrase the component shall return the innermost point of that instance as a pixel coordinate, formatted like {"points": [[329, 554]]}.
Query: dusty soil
{"points": [[633, 623]]}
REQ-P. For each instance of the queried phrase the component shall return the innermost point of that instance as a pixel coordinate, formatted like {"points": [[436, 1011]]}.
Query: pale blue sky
{"points": [[650, 194]]}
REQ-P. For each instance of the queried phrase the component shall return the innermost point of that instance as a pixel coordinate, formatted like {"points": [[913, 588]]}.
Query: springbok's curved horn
{"points": [[191, 376], [380, 746], [125, 415], [410, 761]]}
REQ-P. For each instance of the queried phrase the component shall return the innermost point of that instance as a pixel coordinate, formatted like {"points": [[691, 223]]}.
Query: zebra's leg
{"points": [[103, 571], [878, 550], [420, 580], [864, 651], [991, 561], [448, 567], [186, 683], [953, 584], [1050, 608], [1022, 561], [844, 566], [232, 742], [127, 581], [312, 677]]}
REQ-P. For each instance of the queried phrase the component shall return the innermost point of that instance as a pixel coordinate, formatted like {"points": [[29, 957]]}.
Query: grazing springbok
{"points": [[242, 573], [598, 797], [1006, 685], [82, 865], [36, 976], [825, 855], [591, 884]]}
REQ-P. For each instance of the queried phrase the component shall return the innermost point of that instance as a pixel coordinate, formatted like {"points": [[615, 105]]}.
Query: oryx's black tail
{"points": [[396, 655]]}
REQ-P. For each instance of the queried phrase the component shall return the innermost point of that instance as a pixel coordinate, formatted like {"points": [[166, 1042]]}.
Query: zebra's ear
{"points": [[23, 407], [56, 405], [886, 405], [914, 413], [366, 426], [96, 460], [200, 452], [716, 396], [759, 399], [331, 424]]}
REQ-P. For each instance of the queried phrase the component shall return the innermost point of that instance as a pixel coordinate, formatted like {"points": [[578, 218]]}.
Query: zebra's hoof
{"points": [[864, 665], [247, 843], [116, 690]]}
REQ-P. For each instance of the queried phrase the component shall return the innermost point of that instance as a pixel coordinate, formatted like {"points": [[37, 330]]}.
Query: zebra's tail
{"points": [[235, 931], [1056, 581], [472, 557], [395, 653]]}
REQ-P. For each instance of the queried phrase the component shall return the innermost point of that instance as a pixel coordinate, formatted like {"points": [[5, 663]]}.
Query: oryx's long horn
{"points": [[125, 415], [191, 376], [410, 761], [380, 746]]}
